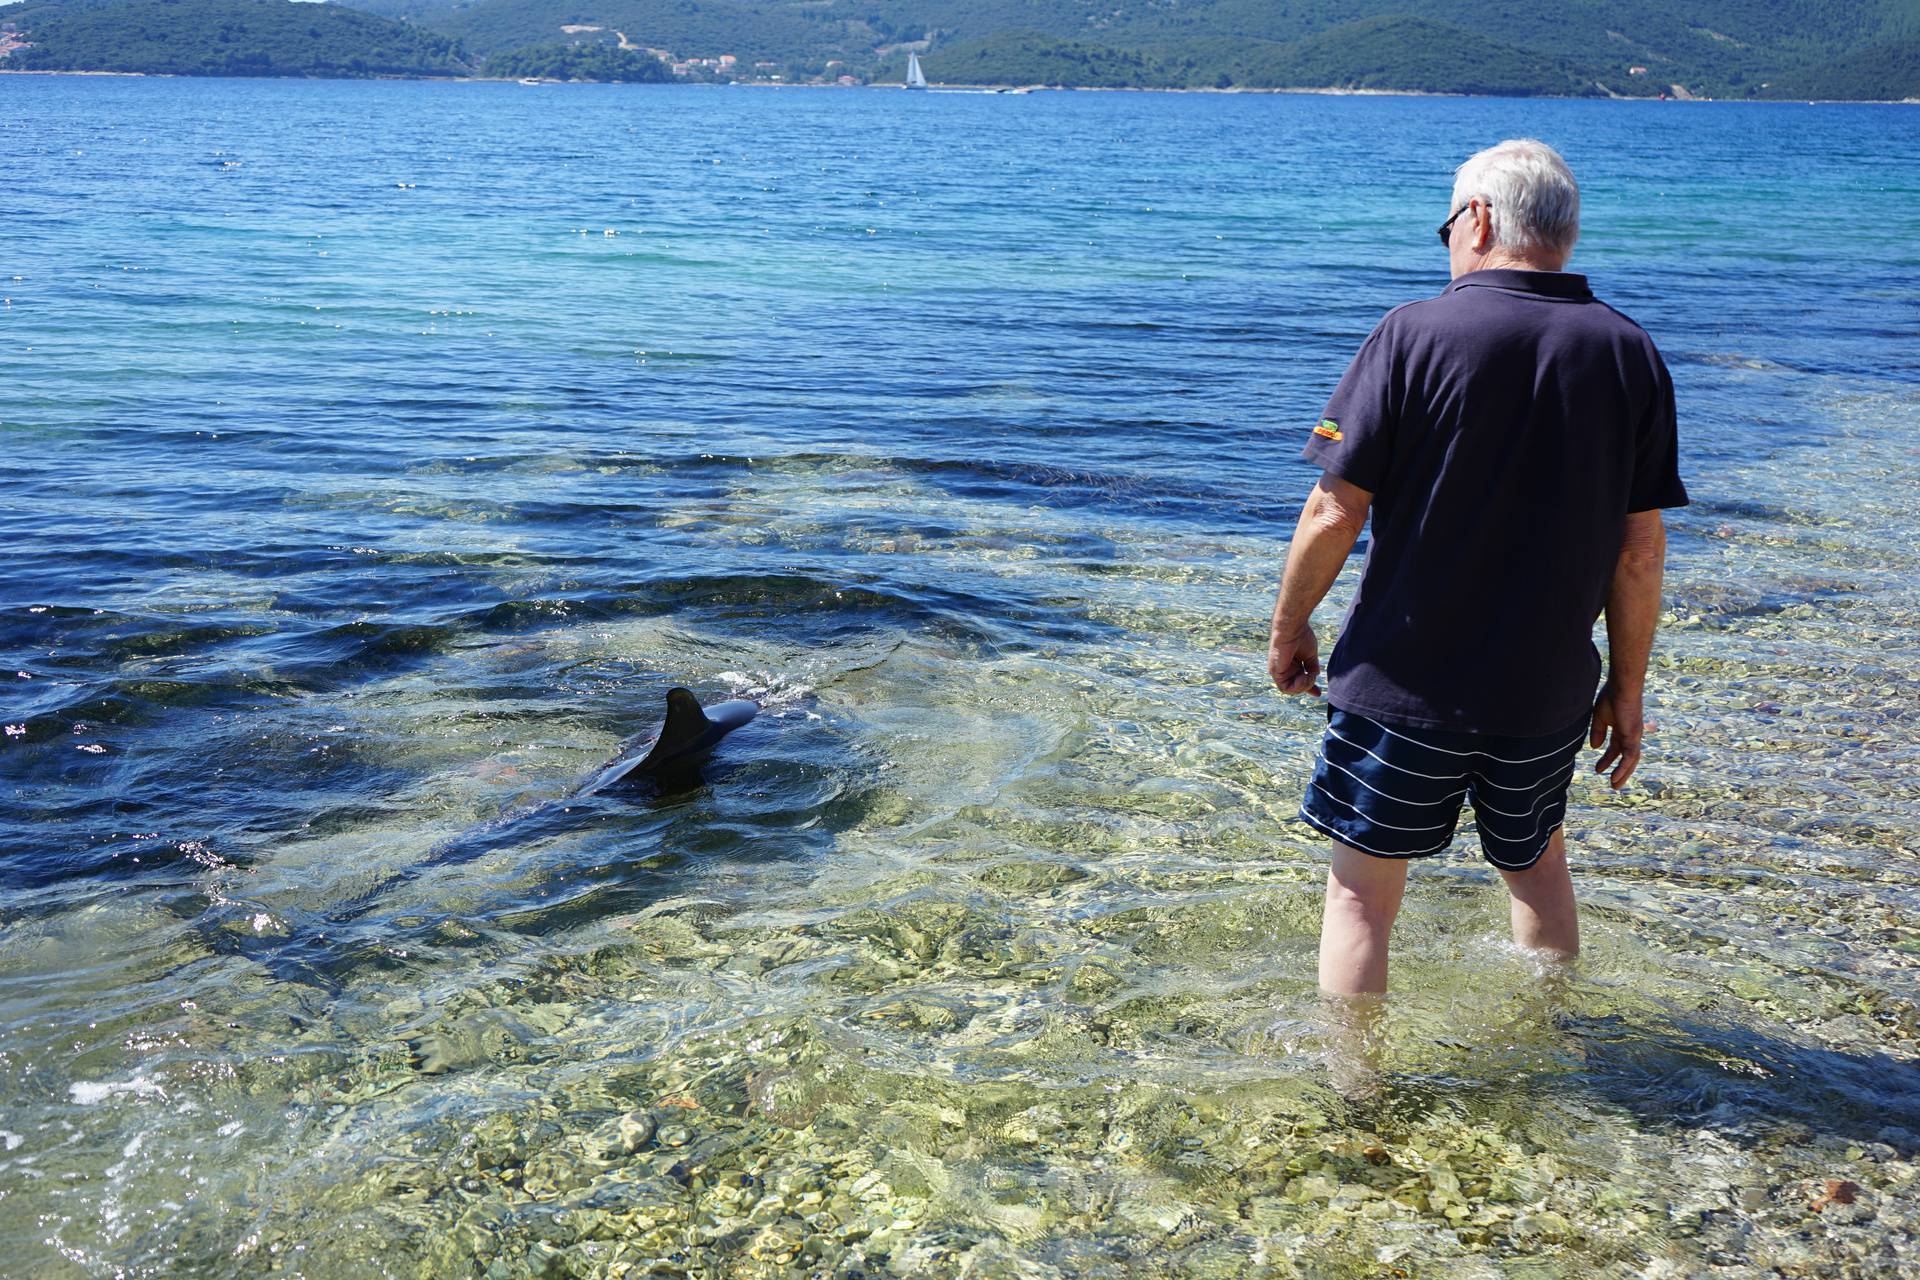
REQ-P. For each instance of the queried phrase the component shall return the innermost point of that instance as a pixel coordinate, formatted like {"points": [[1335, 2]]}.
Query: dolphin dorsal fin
{"points": [[684, 716], [685, 723]]}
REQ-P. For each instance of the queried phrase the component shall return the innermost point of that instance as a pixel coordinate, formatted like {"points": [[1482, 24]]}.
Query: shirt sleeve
{"points": [[1354, 437], [1656, 451]]}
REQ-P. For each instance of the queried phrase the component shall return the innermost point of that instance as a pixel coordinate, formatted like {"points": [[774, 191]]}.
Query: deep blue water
{"points": [[375, 453]]}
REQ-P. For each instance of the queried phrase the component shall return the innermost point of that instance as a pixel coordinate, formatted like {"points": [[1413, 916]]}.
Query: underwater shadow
{"points": [[572, 860], [1673, 1075], [1740, 1082]]}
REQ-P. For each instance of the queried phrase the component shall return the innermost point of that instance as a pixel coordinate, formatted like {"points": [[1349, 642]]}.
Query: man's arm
{"points": [[1330, 523], [1633, 611]]}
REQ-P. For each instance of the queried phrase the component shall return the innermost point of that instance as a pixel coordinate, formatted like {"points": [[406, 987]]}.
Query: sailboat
{"points": [[916, 79]]}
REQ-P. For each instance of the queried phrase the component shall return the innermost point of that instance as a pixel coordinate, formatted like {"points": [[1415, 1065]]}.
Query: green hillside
{"points": [[1713, 48], [1718, 48], [687, 27], [227, 38], [1372, 53], [1034, 57], [1400, 52], [1886, 70], [598, 62]]}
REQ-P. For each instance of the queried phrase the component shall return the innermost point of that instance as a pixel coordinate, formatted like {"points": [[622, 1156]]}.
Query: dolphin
{"points": [[664, 760], [685, 737]]}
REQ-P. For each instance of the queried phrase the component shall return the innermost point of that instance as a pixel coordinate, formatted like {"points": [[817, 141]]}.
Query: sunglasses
{"points": [[1447, 226]]}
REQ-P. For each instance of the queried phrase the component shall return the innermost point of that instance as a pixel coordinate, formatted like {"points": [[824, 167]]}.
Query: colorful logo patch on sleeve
{"points": [[1328, 428]]}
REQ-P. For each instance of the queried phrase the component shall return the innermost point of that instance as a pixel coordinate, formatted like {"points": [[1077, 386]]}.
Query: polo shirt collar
{"points": [[1548, 284]]}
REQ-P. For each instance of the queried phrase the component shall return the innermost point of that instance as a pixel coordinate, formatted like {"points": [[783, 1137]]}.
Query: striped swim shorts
{"points": [[1395, 791]]}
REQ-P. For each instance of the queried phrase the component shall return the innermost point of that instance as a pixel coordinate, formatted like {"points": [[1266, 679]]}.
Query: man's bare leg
{"points": [[1363, 897], [1544, 917]]}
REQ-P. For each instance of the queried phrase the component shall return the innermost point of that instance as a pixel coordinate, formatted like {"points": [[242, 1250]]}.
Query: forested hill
{"points": [[1715, 48], [1708, 48], [225, 38]]}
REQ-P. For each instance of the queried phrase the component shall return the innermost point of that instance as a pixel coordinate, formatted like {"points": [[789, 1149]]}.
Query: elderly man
{"points": [[1513, 440]]}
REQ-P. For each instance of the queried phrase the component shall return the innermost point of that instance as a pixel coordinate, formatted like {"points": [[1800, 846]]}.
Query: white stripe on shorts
{"points": [[1429, 746], [1534, 812], [1372, 821], [1455, 797], [1324, 828], [1434, 777]]}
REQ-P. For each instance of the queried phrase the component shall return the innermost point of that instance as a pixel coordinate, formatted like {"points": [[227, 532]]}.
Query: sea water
{"points": [[376, 455]]}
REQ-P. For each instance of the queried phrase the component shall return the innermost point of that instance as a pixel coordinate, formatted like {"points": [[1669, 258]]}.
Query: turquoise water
{"points": [[378, 452]]}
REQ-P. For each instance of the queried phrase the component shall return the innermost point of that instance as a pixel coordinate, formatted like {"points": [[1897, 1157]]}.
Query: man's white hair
{"points": [[1534, 199]]}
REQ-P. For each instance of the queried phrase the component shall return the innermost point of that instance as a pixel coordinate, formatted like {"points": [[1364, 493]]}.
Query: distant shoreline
{"points": [[146, 75], [1013, 90]]}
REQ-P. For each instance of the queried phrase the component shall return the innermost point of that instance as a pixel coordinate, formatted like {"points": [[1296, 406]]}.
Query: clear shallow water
{"points": [[378, 452]]}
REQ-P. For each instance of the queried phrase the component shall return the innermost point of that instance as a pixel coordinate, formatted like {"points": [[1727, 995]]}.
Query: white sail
{"points": [[916, 79]]}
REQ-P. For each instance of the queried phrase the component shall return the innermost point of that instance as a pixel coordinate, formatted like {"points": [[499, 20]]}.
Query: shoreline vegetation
{"points": [[1723, 50], [1009, 90], [1320, 91]]}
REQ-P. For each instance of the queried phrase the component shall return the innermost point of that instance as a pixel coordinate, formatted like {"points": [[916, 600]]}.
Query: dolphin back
{"points": [[686, 735]]}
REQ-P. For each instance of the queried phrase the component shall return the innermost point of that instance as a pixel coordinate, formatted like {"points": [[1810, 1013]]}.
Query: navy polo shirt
{"points": [[1505, 429]]}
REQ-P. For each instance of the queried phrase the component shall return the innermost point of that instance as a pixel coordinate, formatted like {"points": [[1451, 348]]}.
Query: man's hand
{"points": [[1294, 662], [1330, 523], [1618, 714], [1633, 611]]}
